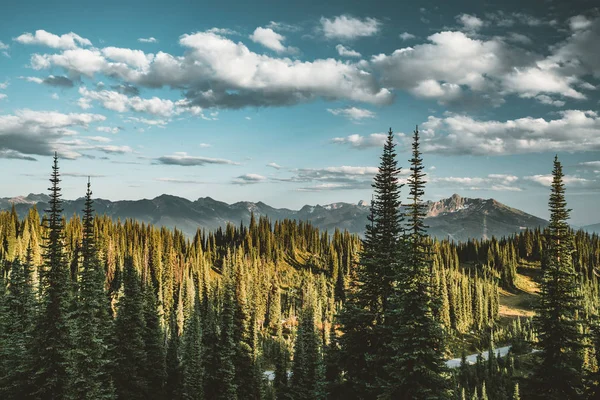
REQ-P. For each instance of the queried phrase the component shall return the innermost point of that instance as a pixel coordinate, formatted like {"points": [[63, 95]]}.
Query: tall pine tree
{"points": [[51, 344], [91, 374], [418, 370], [559, 375], [365, 318]]}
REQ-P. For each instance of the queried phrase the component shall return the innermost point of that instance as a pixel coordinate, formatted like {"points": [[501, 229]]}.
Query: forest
{"points": [[92, 308]]}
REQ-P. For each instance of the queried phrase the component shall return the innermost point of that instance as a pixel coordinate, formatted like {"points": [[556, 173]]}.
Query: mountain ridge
{"points": [[457, 218]]}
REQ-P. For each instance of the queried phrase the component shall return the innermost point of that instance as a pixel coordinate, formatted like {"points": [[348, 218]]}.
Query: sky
{"points": [[289, 102]]}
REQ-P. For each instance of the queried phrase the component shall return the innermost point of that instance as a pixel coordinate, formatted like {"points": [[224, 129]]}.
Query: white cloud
{"points": [[493, 182], [41, 37], [204, 145], [133, 58], [55, 96], [3, 46], [470, 22], [579, 22], [352, 113], [108, 129], [100, 139], [407, 36], [346, 52], [3, 96], [119, 102], [574, 130], [248, 179], [148, 40], [217, 72], [42, 133], [270, 39], [3, 85], [274, 165], [569, 180], [183, 159], [347, 27], [362, 142], [542, 98]]}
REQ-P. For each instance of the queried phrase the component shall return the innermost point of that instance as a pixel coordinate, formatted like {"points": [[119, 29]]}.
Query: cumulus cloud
{"points": [[407, 36], [352, 113], [3, 46], [347, 27], [41, 37], [270, 39], [119, 102], [148, 40], [42, 133], [544, 99], [574, 130], [51, 80], [470, 22], [579, 22], [274, 165], [183, 159], [217, 72], [346, 51], [362, 142], [248, 179]]}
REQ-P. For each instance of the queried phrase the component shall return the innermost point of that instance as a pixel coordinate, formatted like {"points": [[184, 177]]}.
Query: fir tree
{"points": [[307, 382], [192, 356], [365, 318], [51, 345], [559, 376], [17, 317], [91, 374], [155, 370], [418, 370], [129, 346], [227, 389]]}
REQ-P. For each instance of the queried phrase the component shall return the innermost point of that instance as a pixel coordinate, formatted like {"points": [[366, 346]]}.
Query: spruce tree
{"points": [[307, 382], [155, 369], [227, 388], [129, 347], [17, 317], [559, 375], [192, 356], [418, 370], [91, 374], [51, 345], [365, 318]]}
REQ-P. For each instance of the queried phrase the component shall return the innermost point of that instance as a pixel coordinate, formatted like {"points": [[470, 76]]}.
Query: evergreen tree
{"points": [[559, 375], [418, 370], [365, 318], [129, 347], [91, 374], [192, 356], [51, 343], [155, 370], [307, 382], [227, 389], [15, 331]]}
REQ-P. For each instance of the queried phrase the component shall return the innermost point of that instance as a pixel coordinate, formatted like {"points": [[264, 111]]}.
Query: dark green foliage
{"points": [[16, 314], [155, 370], [307, 381], [50, 351], [417, 370], [90, 369], [559, 375], [364, 319], [129, 347], [192, 356]]}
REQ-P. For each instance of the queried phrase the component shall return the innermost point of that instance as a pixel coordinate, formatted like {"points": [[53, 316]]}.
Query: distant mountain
{"points": [[595, 228], [457, 218]]}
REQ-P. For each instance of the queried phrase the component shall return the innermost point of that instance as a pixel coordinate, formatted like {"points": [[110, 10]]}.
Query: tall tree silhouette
{"points": [[91, 375], [365, 319], [51, 345], [418, 370], [559, 375]]}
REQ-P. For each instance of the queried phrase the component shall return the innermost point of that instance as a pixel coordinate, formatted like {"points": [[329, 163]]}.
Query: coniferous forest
{"points": [[92, 308]]}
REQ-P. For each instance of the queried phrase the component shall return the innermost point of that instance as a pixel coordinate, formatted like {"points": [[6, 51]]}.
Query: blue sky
{"points": [[289, 104]]}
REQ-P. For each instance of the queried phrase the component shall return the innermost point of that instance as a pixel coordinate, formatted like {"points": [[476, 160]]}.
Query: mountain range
{"points": [[458, 218]]}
